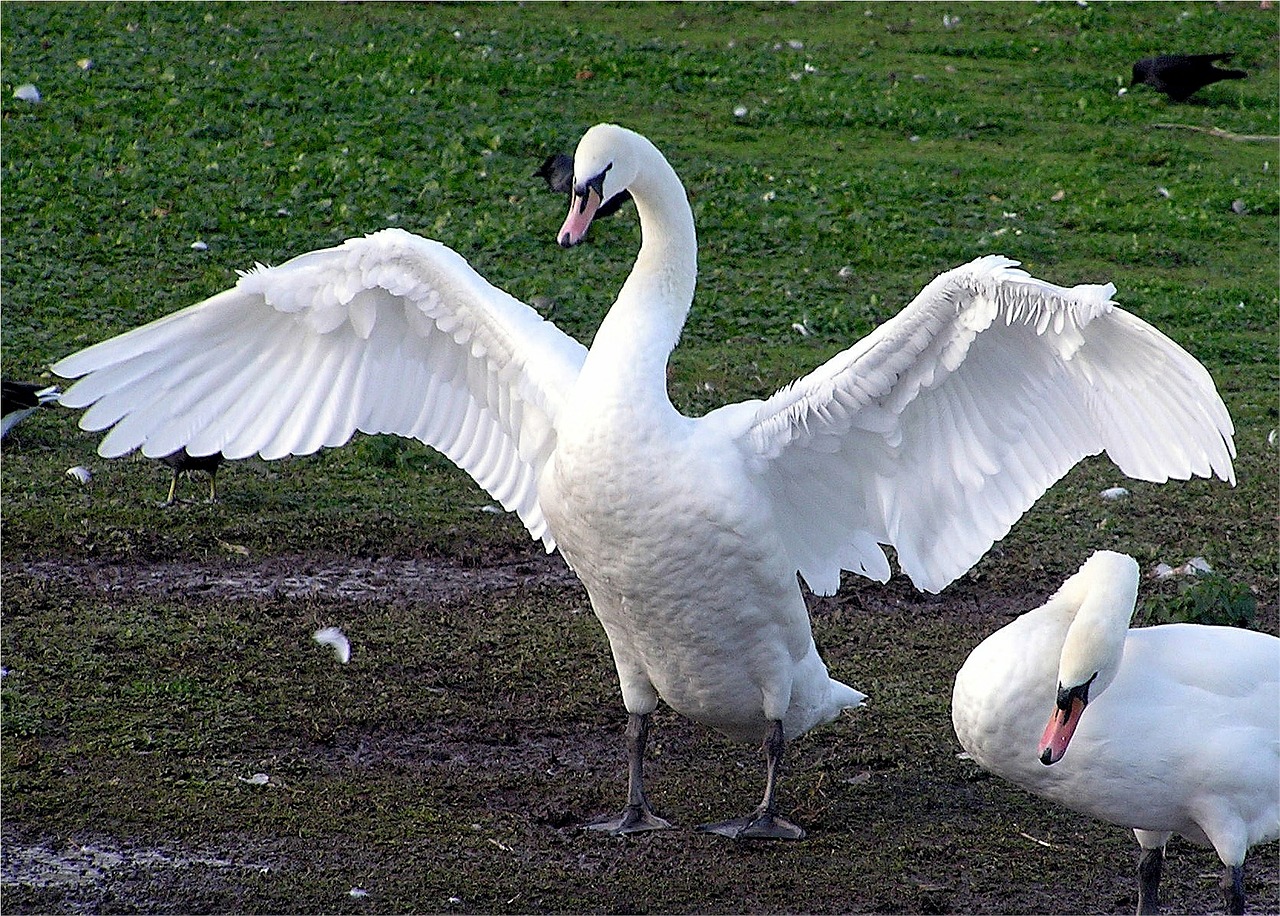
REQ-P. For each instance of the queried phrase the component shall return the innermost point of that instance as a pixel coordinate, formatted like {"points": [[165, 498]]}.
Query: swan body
{"points": [[933, 434], [1166, 729]]}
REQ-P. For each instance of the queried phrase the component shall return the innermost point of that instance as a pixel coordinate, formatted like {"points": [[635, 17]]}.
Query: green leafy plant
{"points": [[1209, 598]]}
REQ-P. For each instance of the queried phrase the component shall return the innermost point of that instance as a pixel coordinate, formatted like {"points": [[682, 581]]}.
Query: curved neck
{"points": [[1094, 643], [630, 350]]}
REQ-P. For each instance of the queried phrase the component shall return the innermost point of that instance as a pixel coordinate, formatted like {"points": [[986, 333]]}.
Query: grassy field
{"points": [[838, 157]]}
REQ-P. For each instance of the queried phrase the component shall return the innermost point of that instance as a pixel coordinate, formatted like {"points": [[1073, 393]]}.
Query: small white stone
{"points": [[1196, 566]]}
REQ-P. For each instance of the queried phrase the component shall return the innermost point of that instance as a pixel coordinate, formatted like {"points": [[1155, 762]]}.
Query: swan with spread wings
{"points": [[934, 434]]}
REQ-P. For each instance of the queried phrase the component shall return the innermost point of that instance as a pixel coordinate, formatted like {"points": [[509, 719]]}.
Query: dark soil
{"points": [[451, 765]]}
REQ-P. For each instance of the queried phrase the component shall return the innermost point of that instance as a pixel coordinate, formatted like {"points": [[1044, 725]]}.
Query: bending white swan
{"points": [[933, 434], [1181, 733]]}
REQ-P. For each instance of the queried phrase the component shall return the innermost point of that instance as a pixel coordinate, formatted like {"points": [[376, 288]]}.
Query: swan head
{"points": [[1104, 592], [605, 165]]}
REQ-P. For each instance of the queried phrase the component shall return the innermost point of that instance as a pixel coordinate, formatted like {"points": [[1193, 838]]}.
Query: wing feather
{"points": [[937, 431], [390, 333]]}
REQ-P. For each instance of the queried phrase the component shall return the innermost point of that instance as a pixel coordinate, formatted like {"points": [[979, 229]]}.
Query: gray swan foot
{"points": [[633, 819], [759, 825]]}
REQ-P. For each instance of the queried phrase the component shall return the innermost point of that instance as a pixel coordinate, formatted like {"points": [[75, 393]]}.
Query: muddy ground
{"points": [[449, 767]]}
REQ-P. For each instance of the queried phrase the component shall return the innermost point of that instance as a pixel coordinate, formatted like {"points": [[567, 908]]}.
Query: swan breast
{"points": [[696, 595]]}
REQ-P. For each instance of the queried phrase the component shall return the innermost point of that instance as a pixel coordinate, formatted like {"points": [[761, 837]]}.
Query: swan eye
{"points": [[1079, 691], [592, 184]]}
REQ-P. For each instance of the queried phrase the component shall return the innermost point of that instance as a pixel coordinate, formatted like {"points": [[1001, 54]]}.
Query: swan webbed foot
{"points": [[638, 816], [764, 823], [1233, 888], [758, 825], [633, 819]]}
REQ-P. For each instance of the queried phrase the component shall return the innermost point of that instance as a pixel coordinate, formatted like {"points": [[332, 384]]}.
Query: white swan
{"points": [[1181, 733], [933, 434]]}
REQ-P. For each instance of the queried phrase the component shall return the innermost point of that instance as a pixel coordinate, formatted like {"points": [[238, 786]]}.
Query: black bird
{"points": [[1180, 75], [182, 463], [557, 170], [19, 400]]}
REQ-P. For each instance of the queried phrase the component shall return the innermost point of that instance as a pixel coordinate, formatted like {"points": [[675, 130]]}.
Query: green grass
{"points": [[887, 144]]}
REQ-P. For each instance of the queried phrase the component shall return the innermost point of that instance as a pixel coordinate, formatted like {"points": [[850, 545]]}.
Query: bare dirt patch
{"points": [[384, 579], [450, 767]]}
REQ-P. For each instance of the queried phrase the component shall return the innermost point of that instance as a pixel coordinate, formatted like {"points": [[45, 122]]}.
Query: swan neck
{"points": [[1094, 643], [667, 265], [636, 338], [666, 269]]}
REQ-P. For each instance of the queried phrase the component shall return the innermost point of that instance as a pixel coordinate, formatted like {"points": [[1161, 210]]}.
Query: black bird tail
{"points": [[1224, 56]]}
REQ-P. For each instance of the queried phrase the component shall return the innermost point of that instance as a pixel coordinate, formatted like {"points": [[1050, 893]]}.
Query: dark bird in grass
{"points": [[1180, 75], [182, 463], [557, 171], [21, 399]]}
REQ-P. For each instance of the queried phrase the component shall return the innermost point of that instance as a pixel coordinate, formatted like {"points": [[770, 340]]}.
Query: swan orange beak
{"points": [[582, 208], [1057, 734]]}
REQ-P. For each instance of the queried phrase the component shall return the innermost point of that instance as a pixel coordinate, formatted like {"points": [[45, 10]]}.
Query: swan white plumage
{"points": [[933, 434], [1171, 729]]}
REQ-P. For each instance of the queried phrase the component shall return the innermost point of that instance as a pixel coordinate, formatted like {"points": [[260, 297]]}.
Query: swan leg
{"points": [[764, 823], [1233, 888], [213, 488], [638, 815], [1150, 866]]}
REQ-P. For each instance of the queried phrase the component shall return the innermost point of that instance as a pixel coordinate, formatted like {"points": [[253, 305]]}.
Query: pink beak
{"points": [[581, 211], [1057, 734]]}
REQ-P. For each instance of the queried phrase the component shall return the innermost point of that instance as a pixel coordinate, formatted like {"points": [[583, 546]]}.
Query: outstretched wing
{"points": [[937, 431], [390, 333]]}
